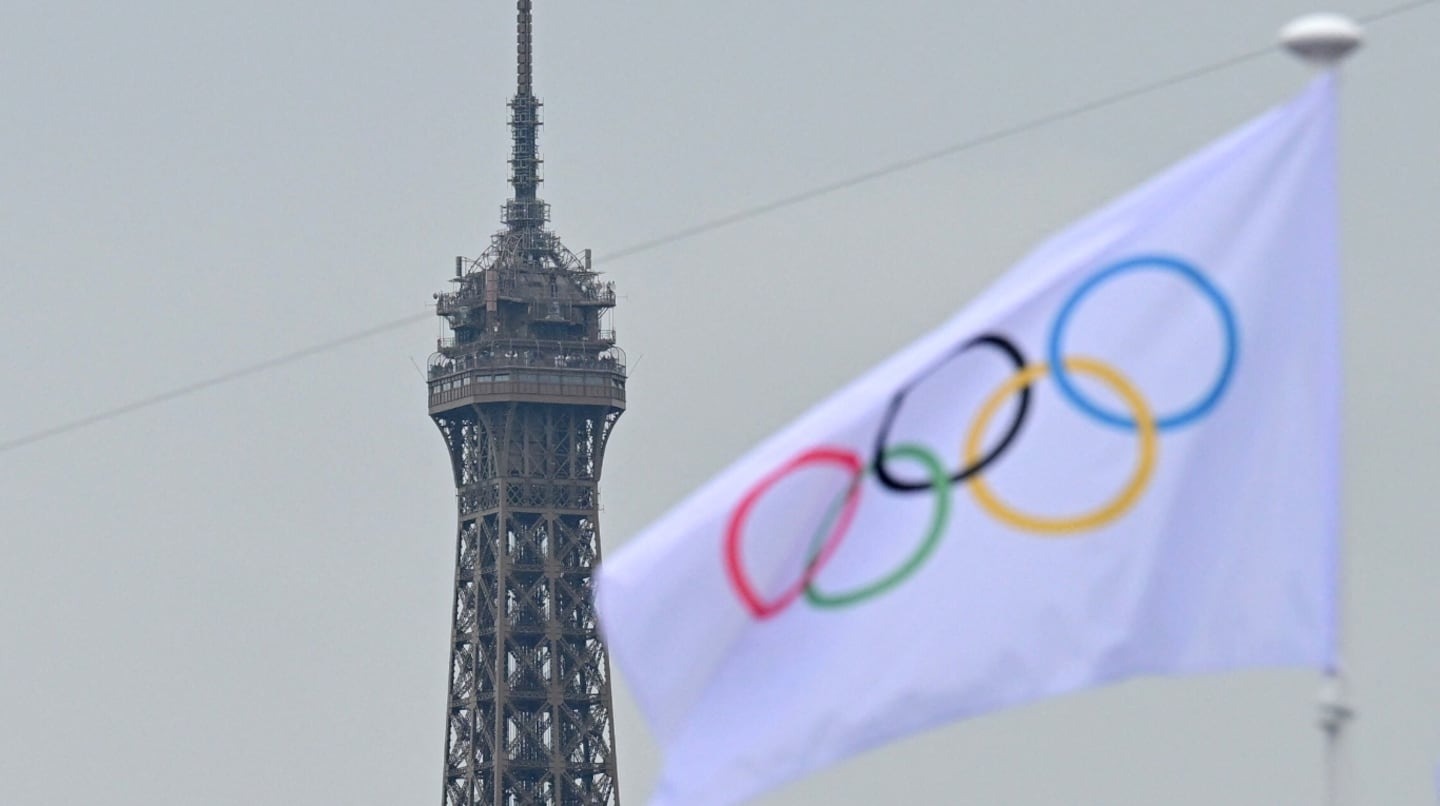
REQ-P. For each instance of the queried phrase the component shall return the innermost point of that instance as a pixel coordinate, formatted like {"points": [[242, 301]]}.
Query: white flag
{"points": [[1121, 460]]}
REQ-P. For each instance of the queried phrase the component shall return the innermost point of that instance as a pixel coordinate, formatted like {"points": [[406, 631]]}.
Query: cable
{"points": [[1392, 11], [976, 142], [191, 388], [713, 224], [913, 162], [966, 145]]}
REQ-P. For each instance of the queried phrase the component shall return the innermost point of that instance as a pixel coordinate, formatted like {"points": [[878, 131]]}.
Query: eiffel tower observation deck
{"points": [[525, 390]]}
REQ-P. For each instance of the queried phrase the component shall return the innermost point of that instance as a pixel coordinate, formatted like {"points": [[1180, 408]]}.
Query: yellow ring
{"points": [[1144, 426]]}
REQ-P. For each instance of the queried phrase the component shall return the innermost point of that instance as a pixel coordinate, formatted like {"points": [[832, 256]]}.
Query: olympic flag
{"points": [[1122, 459]]}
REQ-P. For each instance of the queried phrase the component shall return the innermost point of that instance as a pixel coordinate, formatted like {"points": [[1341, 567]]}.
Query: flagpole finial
{"points": [[1322, 39]]}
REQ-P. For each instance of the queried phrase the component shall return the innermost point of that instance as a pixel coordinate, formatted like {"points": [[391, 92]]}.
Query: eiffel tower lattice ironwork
{"points": [[525, 390]]}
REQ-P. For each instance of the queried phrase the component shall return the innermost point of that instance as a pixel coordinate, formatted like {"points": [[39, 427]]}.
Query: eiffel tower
{"points": [[525, 390]]}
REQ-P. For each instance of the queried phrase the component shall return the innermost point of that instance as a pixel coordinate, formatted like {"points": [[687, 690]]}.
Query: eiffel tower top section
{"points": [[527, 303]]}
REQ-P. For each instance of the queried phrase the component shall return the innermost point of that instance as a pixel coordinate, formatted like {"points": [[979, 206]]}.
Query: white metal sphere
{"points": [[1322, 39]]}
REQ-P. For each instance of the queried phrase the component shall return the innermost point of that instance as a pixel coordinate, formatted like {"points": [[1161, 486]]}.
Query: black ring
{"points": [[882, 473]]}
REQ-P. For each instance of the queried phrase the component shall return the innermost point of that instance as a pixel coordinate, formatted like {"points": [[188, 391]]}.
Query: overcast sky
{"points": [[243, 596]]}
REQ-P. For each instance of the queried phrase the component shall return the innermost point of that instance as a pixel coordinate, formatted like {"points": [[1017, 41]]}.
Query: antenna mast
{"points": [[525, 210]]}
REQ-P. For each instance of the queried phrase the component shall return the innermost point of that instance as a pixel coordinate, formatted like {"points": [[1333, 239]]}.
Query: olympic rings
{"points": [[938, 520], [1117, 506], [973, 465], [757, 606], [1185, 416], [1144, 422]]}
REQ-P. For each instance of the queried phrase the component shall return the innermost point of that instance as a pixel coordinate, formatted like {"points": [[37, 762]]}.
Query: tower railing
{"points": [[525, 354]]}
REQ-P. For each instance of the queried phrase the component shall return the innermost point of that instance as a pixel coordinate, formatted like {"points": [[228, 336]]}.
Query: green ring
{"points": [[941, 484]]}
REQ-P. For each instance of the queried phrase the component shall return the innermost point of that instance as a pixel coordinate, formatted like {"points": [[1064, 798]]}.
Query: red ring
{"points": [[758, 607]]}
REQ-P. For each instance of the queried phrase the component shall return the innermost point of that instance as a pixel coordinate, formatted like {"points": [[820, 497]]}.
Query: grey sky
{"points": [[243, 596]]}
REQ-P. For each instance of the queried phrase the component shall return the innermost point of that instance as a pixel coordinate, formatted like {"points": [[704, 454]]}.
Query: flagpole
{"points": [[1324, 40], [1334, 715]]}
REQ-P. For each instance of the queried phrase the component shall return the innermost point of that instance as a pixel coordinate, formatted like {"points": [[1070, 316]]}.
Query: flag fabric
{"points": [[1122, 459]]}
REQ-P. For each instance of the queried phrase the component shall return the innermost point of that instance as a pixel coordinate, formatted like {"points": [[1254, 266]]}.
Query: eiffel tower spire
{"points": [[525, 210]]}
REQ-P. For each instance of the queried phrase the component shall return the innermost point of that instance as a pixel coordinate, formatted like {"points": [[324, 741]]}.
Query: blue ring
{"points": [[1185, 270]]}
